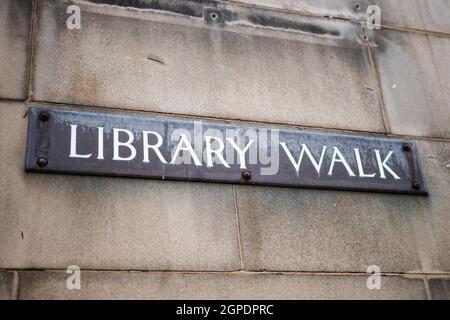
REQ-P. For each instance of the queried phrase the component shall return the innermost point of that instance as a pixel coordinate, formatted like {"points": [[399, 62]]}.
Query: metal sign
{"points": [[64, 141]]}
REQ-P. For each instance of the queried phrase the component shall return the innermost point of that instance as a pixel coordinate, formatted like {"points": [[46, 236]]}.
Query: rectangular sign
{"points": [[110, 144]]}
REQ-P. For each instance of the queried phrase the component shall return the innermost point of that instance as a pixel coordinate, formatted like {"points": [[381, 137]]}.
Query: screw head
{"points": [[214, 16], [246, 175], [44, 116], [406, 147], [42, 161], [416, 185]]}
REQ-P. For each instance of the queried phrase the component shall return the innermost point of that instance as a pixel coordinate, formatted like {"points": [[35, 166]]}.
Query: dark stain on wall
{"points": [[219, 14], [188, 8], [274, 22]]}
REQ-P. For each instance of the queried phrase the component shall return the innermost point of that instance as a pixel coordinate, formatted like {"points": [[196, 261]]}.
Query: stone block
{"points": [[15, 28]]}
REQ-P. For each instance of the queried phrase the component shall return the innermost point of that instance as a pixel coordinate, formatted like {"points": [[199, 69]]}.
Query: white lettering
{"points": [[185, 145], [241, 152], [127, 144], [360, 167], [317, 165], [218, 152], [382, 165], [155, 147], [100, 143], [73, 144], [342, 160]]}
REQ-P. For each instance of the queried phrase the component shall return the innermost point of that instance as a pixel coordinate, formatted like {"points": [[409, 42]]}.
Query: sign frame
{"points": [[50, 134]]}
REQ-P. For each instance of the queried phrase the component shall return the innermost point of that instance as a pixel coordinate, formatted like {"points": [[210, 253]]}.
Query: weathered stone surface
{"points": [[439, 289], [124, 285], [53, 221], [432, 230], [310, 230], [315, 76], [427, 15], [414, 72], [15, 26], [9, 281], [349, 9]]}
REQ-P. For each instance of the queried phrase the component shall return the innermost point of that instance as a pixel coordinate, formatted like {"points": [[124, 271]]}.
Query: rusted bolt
{"points": [[246, 175], [42, 161], [44, 116], [406, 147], [416, 185]]}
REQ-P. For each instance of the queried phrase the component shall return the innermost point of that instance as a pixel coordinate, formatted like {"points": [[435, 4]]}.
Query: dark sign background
{"points": [[48, 149]]}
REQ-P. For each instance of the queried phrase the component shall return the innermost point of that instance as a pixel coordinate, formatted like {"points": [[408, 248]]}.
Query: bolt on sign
{"points": [[110, 144]]}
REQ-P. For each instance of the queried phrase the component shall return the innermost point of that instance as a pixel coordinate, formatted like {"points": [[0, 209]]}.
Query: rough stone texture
{"points": [[433, 231], [414, 73], [348, 9], [8, 285], [53, 221], [15, 26], [433, 15], [294, 78], [439, 289], [331, 8], [305, 230], [104, 285]]}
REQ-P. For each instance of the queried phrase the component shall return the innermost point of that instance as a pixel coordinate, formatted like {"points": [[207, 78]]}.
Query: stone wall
{"points": [[298, 64]]}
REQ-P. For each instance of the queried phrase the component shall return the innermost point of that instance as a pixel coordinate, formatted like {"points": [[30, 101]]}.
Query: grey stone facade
{"points": [[297, 64]]}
